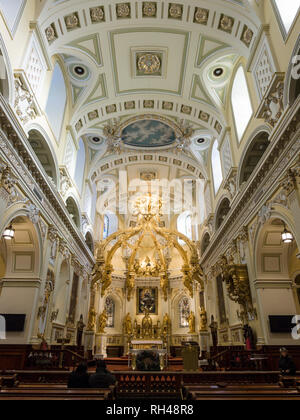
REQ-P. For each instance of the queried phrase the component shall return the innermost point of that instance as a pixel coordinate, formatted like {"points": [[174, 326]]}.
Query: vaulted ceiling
{"points": [[127, 60]]}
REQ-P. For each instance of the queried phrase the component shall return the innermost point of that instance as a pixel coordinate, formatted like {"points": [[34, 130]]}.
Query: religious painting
{"points": [[147, 299]]}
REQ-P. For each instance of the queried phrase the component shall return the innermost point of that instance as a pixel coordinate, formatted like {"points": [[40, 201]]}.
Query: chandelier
{"points": [[147, 207]]}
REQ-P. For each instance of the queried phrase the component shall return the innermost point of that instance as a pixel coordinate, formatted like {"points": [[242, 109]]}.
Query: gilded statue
{"points": [[130, 283], [187, 279], [164, 284], [97, 273], [147, 325], [102, 322], [92, 320], [128, 330], [106, 279], [203, 319], [192, 325], [166, 328]]}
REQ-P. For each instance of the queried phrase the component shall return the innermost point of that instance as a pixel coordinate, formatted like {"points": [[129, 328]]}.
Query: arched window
{"points": [[80, 166], [12, 12], [216, 166], [205, 243], [184, 312], [56, 104], [184, 225], [89, 241], [110, 310], [73, 211], [43, 153], [286, 11], [241, 103], [253, 155], [110, 225], [223, 210]]}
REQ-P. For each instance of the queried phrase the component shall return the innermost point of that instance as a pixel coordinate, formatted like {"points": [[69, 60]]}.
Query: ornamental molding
{"points": [[271, 108], [230, 183]]}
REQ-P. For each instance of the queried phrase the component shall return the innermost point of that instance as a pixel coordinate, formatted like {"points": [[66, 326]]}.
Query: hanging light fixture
{"points": [[9, 233], [286, 236]]}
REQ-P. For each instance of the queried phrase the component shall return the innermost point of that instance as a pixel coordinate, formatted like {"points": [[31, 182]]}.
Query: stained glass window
{"points": [[110, 310], [184, 312]]}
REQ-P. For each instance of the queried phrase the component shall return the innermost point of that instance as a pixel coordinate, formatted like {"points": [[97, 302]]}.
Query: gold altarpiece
{"points": [[153, 268]]}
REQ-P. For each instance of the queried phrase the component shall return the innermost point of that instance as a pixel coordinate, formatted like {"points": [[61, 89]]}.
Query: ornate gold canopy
{"points": [[147, 209]]}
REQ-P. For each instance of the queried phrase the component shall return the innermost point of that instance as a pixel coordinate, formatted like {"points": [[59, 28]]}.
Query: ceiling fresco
{"points": [[148, 133]]}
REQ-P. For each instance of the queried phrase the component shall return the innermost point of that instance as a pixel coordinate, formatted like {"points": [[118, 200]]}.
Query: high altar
{"points": [[147, 288]]}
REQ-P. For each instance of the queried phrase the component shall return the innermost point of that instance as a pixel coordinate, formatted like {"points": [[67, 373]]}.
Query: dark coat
{"points": [[287, 366], [77, 380], [102, 379]]}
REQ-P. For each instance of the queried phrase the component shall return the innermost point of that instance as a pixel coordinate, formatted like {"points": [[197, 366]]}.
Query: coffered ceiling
{"points": [[129, 59]]}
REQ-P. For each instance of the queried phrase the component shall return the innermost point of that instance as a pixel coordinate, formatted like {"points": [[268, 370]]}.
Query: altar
{"points": [[147, 344], [147, 348]]}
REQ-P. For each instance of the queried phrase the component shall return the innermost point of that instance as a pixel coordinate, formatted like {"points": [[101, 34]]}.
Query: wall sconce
{"points": [[9, 233], [286, 236]]}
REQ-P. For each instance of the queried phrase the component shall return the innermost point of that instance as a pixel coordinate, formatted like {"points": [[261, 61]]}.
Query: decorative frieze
{"points": [[25, 107], [271, 108], [231, 182]]}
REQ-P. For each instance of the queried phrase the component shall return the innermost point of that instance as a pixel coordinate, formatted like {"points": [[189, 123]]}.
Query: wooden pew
{"points": [[252, 392], [288, 381], [55, 394], [37, 392]]}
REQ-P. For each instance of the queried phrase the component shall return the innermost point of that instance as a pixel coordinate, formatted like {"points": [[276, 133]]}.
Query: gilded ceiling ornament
{"points": [[149, 9], [204, 116], [51, 33], [149, 63], [129, 105], [123, 10], [78, 126], [247, 36], [72, 21], [201, 15], [111, 109], [226, 23], [93, 115], [186, 109], [97, 14], [148, 104], [175, 11], [168, 106]]}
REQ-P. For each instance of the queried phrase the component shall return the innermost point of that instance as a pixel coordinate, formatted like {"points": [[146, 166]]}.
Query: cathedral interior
{"points": [[149, 184]]}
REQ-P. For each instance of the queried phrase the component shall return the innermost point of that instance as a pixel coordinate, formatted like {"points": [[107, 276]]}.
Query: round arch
{"points": [[222, 209], [74, 210], [252, 154], [41, 145]]}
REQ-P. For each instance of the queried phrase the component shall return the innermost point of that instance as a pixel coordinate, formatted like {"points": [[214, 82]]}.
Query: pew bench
{"points": [[260, 392], [55, 392], [289, 381]]}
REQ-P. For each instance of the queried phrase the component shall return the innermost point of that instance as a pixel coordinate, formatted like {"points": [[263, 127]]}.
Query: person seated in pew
{"points": [[287, 366], [102, 378], [79, 378]]}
